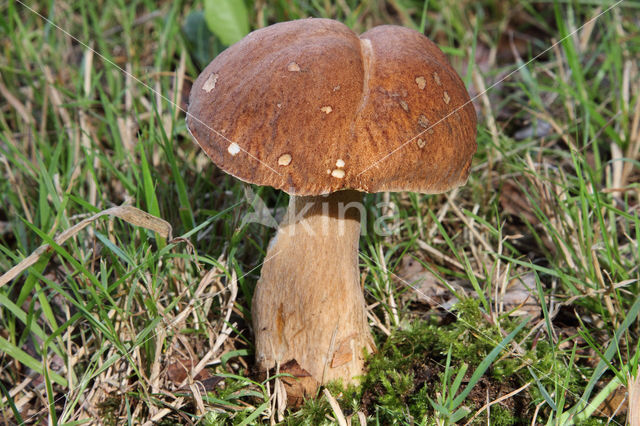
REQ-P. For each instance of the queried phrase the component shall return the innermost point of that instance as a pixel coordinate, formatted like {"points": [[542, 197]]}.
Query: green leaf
{"points": [[201, 39], [9, 399], [255, 414], [543, 390], [458, 380], [232, 354], [438, 407], [455, 417], [227, 19]]}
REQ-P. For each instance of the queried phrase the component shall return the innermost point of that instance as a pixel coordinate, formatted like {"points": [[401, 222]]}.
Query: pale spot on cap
{"points": [[335, 89], [234, 148], [436, 77], [284, 160], [423, 122], [340, 163], [326, 109], [404, 105], [421, 143], [293, 67], [446, 97], [210, 84], [421, 82], [337, 173]]}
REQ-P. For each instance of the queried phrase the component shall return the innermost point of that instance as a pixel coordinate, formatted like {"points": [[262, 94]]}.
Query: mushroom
{"points": [[310, 108]]}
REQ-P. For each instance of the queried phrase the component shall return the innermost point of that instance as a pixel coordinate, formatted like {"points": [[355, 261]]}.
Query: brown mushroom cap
{"points": [[309, 107]]}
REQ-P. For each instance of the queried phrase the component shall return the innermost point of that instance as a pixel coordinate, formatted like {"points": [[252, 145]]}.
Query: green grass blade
{"points": [[149, 191], [486, 363], [611, 350], [26, 359]]}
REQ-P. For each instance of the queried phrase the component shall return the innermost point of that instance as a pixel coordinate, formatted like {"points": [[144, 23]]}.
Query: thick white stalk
{"points": [[309, 315]]}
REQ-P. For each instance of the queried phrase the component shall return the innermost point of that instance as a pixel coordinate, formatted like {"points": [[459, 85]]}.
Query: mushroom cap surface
{"points": [[310, 108]]}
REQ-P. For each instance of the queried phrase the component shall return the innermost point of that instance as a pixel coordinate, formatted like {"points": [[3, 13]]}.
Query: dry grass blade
{"points": [[16, 184], [224, 333], [337, 411], [59, 104], [15, 103], [633, 388], [391, 300], [85, 130], [443, 257], [129, 214]]}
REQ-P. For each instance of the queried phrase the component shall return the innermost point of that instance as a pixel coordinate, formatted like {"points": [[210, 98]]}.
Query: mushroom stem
{"points": [[308, 309]]}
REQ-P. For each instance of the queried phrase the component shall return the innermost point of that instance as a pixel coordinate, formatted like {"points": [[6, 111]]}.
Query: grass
{"points": [[106, 324]]}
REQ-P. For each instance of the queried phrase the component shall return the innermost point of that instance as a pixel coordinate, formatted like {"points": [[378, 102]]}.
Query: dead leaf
{"points": [[178, 370], [514, 202], [292, 367], [520, 296], [426, 288], [299, 387], [614, 404]]}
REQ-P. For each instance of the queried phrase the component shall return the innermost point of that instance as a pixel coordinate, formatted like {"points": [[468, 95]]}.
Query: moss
{"points": [[409, 366], [314, 412], [500, 416]]}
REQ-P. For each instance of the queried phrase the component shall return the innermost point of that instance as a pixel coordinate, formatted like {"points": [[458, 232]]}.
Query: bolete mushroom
{"points": [[310, 108]]}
